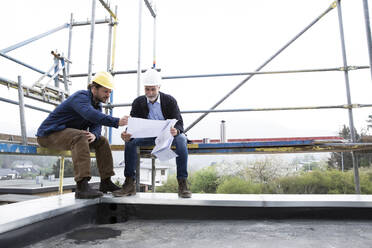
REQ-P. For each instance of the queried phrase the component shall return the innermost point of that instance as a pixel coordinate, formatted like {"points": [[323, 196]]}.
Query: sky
{"points": [[201, 37]]}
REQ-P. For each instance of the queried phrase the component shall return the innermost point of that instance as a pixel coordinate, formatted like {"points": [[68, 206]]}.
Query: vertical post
{"points": [[56, 68], [92, 24], [348, 95], [22, 111], [223, 132], [138, 169], [368, 33], [112, 65], [61, 174], [63, 63], [153, 173], [69, 44], [154, 43], [108, 135], [342, 161], [139, 47]]}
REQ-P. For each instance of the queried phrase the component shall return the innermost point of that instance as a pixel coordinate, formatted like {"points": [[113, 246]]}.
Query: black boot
{"points": [[107, 185], [183, 190], [84, 191], [129, 188]]}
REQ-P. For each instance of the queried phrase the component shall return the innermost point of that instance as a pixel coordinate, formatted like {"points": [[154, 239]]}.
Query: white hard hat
{"points": [[151, 78]]}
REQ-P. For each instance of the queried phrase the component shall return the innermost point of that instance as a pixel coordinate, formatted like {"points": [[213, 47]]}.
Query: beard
{"points": [[152, 98]]}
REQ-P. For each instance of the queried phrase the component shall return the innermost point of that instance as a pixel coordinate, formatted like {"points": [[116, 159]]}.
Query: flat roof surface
{"points": [[16, 215], [217, 233]]}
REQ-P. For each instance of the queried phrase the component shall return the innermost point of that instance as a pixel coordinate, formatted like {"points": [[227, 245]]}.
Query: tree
{"points": [[338, 159], [205, 180], [235, 185]]}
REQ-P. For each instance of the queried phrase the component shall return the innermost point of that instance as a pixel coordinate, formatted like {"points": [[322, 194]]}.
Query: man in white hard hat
{"points": [[76, 125], [155, 105]]}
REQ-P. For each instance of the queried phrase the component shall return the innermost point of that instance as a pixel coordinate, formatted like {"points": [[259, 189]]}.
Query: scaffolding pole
{"points": [[332, 6], [90, 63], [348, 95], [368, 32], [37, 37], [22, 111], [139, 46]]}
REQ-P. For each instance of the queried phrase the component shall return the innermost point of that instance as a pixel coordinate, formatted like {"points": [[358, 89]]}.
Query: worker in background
{"points": [[76, 125], [155, 105]]}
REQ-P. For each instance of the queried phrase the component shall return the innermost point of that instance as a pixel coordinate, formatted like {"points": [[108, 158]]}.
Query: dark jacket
{"points": [[169, 108], [80, 112]]}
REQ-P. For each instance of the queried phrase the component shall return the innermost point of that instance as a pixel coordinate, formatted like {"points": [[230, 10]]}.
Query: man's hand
{"points": [[123, 120], [174, 131], [125, 136], [91, 137]]}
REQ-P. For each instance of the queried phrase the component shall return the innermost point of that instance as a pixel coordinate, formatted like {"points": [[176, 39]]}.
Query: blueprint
{"points": [[144, 128]]}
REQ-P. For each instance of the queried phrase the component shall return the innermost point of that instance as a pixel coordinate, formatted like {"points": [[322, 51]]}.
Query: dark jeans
{"points": [[77, 141], [131, 157]]}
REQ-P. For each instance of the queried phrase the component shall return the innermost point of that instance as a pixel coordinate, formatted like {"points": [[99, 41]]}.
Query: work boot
{"points": [[84, 191], [183, 190], [107, 185], [129, 188]]}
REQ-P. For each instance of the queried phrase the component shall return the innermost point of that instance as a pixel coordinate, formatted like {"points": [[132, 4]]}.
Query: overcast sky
{"points": [[209, 36]]}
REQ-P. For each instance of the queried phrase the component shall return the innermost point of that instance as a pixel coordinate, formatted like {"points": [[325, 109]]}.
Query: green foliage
{"points": [[69, 168], [171, 186], [235, 185], [205, 180]]}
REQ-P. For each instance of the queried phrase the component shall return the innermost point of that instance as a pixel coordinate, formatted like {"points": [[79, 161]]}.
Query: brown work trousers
{"points": [[77, 141]]}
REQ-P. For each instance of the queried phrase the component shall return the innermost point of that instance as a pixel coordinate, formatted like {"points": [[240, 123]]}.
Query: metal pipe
{"points": [[344, 106], [109, 106], [24, 64], [113, 73], [152, 11], [223, 132], [235, 74], [266, 72], [37, 37], [153, 174], [112, 65], [91, 41], [348, 95], [56, 71], [85, 23], [263, 65], [138, 169], [108, 68], [108, 9], [368, 32], [22, 111], [69, 44], [61, 174], [139, 46], [154, 43], [26, 105]]}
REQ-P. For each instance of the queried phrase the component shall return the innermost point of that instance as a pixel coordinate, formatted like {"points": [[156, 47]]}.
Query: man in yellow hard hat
{"points": [[76, 125]]}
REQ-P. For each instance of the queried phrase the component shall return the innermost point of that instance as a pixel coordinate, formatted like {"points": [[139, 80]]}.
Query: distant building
{"points": [[161, 176], [6, 174], [24, 167]]}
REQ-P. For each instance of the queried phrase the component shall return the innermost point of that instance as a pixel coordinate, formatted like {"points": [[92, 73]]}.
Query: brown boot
{"points": [[129, 188], [107, 185], [84, 191], [183, 190]]}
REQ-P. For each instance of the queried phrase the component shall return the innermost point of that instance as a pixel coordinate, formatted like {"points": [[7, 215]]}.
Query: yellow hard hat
{"points": [[104, 79]]}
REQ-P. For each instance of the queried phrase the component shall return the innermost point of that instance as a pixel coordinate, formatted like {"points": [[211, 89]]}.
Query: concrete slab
{"points": [[16, 215], [245, 200]]}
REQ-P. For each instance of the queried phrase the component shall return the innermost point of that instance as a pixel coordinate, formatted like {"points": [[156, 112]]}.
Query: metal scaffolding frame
{"points": [[54, 95]]}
